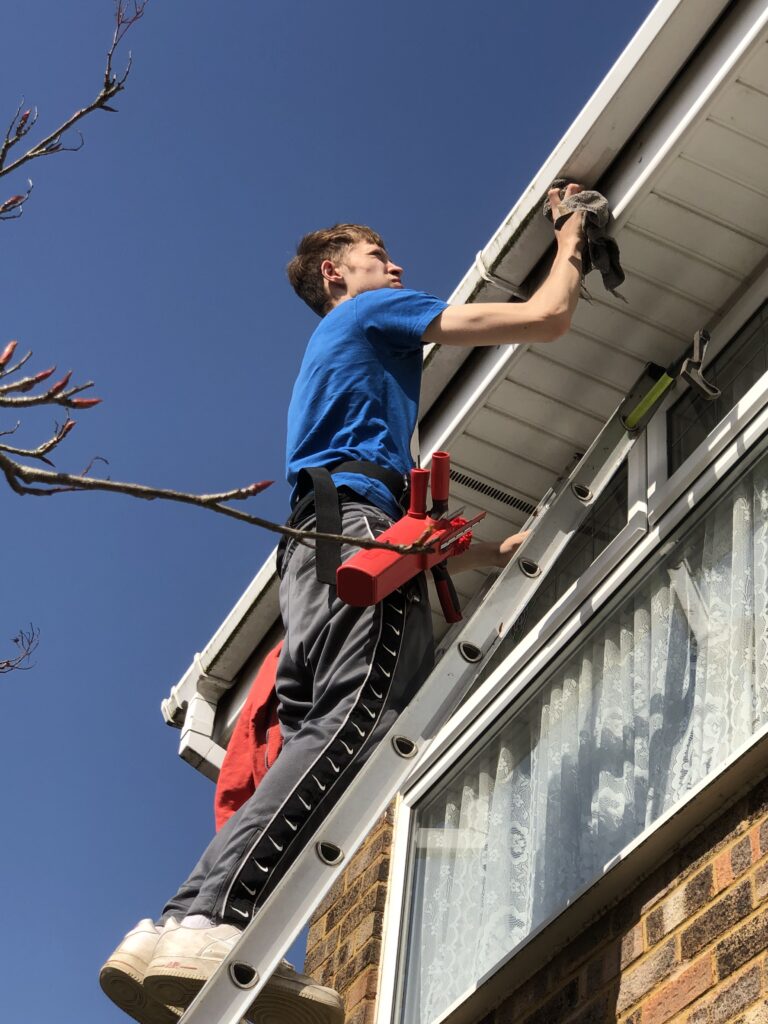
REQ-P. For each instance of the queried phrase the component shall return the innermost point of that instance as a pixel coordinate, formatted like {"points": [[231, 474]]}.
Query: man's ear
{"points": [[331, 272]]}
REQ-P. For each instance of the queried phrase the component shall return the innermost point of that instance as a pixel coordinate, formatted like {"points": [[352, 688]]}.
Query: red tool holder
{"points": [[371, 575]]}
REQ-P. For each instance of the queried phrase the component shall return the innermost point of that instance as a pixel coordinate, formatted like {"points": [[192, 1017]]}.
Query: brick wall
{"points": [[344, 942], [688, 946]]}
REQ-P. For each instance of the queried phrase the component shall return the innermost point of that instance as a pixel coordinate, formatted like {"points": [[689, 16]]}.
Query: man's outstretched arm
{"points": [[544, 317]]}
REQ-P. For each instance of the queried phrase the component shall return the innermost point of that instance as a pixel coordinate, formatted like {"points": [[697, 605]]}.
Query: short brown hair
{"points": [[327, 244]]}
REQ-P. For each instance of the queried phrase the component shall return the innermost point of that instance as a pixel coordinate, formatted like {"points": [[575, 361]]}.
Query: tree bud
{"points": [[60, 384], [84, 403], [9, 204], [8, 351]]}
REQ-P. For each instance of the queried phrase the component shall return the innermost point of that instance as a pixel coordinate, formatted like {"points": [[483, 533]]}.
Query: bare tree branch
{"points": [[21, 477], [25, 479], [127, 13], [26, 641]]}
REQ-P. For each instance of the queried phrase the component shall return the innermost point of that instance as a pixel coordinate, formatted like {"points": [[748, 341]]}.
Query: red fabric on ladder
{"points": [[256, 741]]}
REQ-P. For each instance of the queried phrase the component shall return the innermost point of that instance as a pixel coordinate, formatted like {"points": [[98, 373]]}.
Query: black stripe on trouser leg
{"points": [[280, 840]]}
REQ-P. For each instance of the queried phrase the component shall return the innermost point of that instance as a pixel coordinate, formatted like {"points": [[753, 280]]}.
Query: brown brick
{"points": [[741, 856], [343, 905], [363, 987], [757, 1014], [518, 1002], [761, 883], [654, 926], [699, 891], [666, 917], [371, 928], [743, 945], [631, 946], [754, 838], [639, 980], [377, 872], [612, 963], [701, 1015], [365, 1013], [558, 1007], [600, 969], [658, 885], [624, 915], [327, 973], [341, 959], [320, 952], [371, 902], [744, 990], [333, 894], [316, 932], [678, 992], [764, 837], [723, 871], [599, 1011], [377, 845], [586, 943], [713, 922], [524, 998], [355, 965], [680, 903]]}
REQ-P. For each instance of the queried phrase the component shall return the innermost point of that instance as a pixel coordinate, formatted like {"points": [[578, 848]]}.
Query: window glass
{"points": [[603, 523], [740, 365], [654, 698]]}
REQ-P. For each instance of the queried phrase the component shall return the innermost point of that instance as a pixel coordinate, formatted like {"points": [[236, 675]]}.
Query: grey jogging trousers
{"points": [[343, 677]]}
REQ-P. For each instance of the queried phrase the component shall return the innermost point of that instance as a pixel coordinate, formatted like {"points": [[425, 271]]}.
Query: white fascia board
{"points": [[639, 77]]}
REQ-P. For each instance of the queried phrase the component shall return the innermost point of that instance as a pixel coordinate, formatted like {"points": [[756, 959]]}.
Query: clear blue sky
{"points": [[152, 262]]}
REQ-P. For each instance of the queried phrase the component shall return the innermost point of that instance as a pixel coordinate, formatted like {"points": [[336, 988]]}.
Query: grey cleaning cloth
{"points": [[601, 251]]}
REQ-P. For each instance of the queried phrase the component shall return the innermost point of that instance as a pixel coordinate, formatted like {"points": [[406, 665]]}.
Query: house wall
{"points": [[689, 945], [344, 941]]}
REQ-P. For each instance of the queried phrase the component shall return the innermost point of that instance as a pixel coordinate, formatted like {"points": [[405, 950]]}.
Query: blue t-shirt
{"points": [[357, 393]]}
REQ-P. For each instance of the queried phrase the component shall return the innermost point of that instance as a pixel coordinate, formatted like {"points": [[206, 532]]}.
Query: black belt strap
{"points": [[396, 483], [317, 490], [327, 519]]}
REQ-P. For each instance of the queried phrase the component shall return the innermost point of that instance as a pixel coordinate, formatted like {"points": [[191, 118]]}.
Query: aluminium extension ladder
{"points": [[227, 995]]}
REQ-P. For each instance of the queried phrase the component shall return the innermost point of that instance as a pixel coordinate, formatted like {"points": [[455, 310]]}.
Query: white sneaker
{"points": [[122, 976], [186, 958], [295, 999]]}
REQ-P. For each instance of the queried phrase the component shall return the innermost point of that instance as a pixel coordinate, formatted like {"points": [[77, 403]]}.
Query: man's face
{"points": [[366, 266]]}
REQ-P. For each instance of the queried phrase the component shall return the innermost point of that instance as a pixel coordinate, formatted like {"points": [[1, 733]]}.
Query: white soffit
{"points": [[638, 78]]}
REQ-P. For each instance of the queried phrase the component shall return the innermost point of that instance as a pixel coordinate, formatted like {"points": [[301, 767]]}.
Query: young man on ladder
{"points": [[345, 673]]}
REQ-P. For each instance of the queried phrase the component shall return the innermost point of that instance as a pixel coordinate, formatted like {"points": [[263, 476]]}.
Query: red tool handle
{"points": [[446, 593], [441, 477], [419, 480]]}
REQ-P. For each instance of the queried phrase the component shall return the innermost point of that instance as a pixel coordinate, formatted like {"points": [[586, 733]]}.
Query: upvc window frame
{"points": [[534, 659], [664, 489]]}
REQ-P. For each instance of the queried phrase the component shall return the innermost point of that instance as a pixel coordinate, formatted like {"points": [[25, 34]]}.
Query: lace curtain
{"points": [[652, 702]]}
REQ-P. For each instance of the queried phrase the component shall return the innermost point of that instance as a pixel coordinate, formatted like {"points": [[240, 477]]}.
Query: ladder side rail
{"points": [[232, 989]]}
